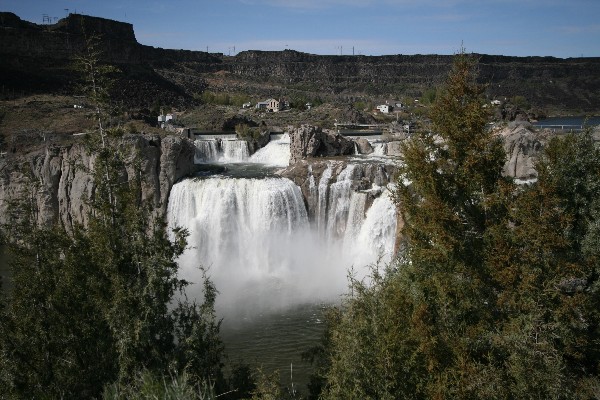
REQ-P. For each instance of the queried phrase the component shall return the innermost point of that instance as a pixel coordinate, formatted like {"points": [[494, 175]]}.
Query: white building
{"points": [[165, 119], [262, 105], [270, 105], [385, 108]]}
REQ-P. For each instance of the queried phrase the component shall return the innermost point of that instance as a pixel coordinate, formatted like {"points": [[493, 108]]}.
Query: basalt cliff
{"points": [[55, 175], [37, 58]]}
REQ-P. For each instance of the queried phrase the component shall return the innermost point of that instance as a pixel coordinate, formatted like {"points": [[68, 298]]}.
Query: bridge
{"points": [[576, 128], [355, 125]]}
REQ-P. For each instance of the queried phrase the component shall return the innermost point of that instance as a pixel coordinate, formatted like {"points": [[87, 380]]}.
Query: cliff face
{"points": [[36, 57], [317, 178], [56, 175], [66, 38], [39, 59], [567, 84]]}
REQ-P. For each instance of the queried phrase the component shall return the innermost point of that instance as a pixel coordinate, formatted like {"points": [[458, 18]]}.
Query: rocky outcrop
{"points": [[394, 148], [522, 146], [315, 177], [57, 177], [363, 146], [311, 141]]}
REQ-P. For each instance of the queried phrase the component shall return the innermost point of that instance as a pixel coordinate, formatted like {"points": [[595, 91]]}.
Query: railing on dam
{"points": [[576, 128]]}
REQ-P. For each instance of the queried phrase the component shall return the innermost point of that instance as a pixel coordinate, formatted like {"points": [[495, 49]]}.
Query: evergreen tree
{"points": [[547, 279], [96, 305], [101, 303], [424, 318], [495, 291]]}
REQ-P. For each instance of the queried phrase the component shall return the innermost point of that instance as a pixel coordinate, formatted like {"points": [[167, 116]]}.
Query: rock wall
{"points": [[67, 37], [315, 176], [57, 177], [311, 141], [566, 85], [522, 146]]}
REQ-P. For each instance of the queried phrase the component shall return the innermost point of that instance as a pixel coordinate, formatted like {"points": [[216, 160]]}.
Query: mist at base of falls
{"points": [[262, 248], [254, 237]]}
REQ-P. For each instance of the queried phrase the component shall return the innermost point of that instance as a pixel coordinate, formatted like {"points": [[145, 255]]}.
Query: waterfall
{"points": [[323, 191], [234, 218], [356, 218], [206, 151], [275, 153], [379, 149], [377, 234], [339, 203], [221, 150], [234, 151], [253, 236], [367, 234], [262, 253]]}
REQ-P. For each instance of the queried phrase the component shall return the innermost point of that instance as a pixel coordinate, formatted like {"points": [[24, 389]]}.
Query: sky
{"points": [[559, 28]]}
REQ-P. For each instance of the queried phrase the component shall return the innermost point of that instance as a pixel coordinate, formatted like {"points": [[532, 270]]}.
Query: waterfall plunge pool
{"points": [[275, 263]]}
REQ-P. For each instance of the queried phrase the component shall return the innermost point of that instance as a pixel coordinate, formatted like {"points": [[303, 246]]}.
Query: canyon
{"points": [[38, 58]]}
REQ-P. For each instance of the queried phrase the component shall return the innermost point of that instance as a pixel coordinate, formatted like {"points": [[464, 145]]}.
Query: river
{"points": [[275, 341]]}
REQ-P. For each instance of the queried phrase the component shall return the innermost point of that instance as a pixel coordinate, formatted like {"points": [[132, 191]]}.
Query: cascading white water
{"points": [[377, 235], [323, 191], [234, 151], [275, 153], [379, 149], [253, 235], [223, 150], [356, 217], [255, 238], [207, 150], [339, 203]]}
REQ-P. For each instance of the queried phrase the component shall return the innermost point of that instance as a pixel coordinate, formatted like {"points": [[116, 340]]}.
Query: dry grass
{"points": [[55, 115], [47, 113]]}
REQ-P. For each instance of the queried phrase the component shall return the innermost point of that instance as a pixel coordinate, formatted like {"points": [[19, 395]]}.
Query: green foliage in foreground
{"points": [[495, 293], [147, 386], [96, 305]]}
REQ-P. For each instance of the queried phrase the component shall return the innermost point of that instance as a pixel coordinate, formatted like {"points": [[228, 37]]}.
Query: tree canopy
{"points": [[101, 303], [494, 293]]}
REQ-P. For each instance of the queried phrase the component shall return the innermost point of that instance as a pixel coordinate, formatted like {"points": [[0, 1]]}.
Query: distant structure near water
{"points": [[163, 120], [272, 105], [385, 108]]}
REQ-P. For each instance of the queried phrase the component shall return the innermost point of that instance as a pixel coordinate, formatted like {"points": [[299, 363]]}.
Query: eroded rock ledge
{"points": [[56, 175], [311, 141]]}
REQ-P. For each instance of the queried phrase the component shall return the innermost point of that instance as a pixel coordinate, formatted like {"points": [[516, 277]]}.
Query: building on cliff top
{"points": [[166, 119], [270, 105]]}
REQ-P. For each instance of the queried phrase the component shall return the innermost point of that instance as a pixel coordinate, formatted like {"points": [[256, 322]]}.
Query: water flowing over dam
{"points": [[275, 153]]}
